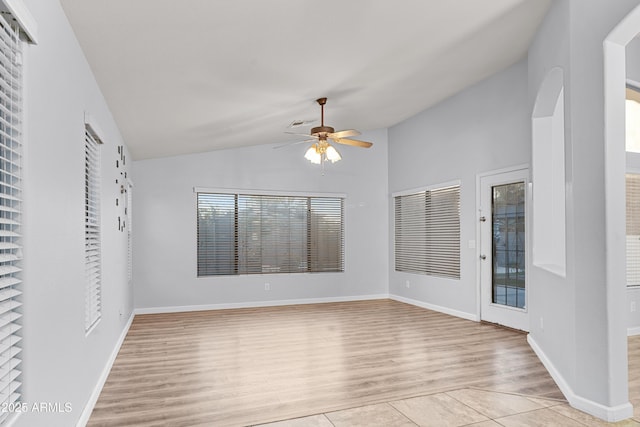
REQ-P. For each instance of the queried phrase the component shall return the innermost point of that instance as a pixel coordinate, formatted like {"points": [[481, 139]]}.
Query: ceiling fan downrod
{"points": [[322, 130]]}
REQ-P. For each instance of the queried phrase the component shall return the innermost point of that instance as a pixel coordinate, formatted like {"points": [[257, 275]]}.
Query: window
{"points": [[427, 232], [633, 229], [92, 241], [632, 120], [10, 215], [129, 215], [258, 234]]}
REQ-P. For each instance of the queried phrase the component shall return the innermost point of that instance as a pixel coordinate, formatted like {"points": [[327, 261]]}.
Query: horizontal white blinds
{"points": [[10, 215], [633, 229], [325, 231], [427, 232], [92, 241], [258, 234]]}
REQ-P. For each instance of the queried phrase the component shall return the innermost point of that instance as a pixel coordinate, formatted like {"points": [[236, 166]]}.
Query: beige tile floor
{"points": [[463, 407]]}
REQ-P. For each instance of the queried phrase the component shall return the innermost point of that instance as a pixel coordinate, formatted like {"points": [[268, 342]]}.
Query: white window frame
{"points": [[93, 233]]}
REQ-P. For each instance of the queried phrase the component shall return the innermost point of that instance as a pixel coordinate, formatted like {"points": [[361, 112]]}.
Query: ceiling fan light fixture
{"points": [[313, 155], [322, 151], [332, 154]]}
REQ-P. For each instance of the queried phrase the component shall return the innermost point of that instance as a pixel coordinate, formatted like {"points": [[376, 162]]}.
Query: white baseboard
{"points": [[607, 413], [445, 310], [93, 399], [253, 304], [633, 331]]}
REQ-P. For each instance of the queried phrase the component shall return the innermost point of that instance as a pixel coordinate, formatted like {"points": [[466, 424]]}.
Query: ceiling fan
{"points": [[321, 150]]}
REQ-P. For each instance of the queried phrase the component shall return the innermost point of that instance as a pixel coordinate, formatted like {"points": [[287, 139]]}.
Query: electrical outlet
{"points": [[267, 286], [633, 306], [408, 284]]}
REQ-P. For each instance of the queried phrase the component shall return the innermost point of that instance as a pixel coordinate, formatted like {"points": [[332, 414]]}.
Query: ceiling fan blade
{"points": [[301, 134], [294, 143], [344, 134], [354, 142]]}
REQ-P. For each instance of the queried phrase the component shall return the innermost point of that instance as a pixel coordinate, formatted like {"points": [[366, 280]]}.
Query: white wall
{"points": [[165, 223], [61, 364], [484, 128]]}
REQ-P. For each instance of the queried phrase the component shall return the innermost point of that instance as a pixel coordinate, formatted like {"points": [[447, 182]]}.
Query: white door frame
{"points": [[615, 76], [524, 168]]}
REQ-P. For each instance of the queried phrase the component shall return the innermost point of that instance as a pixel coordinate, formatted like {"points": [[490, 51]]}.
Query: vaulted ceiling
{"points": [[201, 75]]}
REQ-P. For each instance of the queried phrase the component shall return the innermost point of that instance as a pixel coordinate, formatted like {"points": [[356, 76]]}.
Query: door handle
{"points": [[483, 257]]}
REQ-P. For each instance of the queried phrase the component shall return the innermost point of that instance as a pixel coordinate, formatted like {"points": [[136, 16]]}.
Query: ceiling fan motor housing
{"points": [[321, 130]]}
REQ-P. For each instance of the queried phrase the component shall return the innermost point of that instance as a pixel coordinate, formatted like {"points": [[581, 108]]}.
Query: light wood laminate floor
{"points": [[250, 366], [634, 373]]}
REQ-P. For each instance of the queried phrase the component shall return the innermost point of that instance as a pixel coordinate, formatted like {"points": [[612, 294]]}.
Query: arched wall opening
{"points": [[548, 172]]}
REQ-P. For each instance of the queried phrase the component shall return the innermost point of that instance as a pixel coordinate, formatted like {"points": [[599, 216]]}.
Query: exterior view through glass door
{"points": [[503, 254], [508, 239]]}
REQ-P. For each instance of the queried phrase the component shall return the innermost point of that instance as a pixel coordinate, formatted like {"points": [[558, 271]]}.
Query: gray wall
{"points": [[165, 223], [633, 162], [551, 298], [61, 364], [581, 337], [633, 60], [485, 127]]}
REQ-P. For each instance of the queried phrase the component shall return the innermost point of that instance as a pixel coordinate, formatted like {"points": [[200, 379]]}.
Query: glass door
{"points": [[503, 249], [508, 245]]}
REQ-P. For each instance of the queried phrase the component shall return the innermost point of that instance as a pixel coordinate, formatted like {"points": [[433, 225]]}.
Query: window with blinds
{"points": [[633, 229], [259, 234], [92, 241], [129, 214], [427, 232], [10, 215]]}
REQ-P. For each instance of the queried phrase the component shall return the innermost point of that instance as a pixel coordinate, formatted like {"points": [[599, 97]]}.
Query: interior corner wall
{"points": [[551, 297], [165, 225], [574, 319], [633, 162], [61, 364], [600, 334], [484, 128]]}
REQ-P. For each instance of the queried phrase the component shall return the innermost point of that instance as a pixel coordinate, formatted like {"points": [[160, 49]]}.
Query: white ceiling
{"points": [[200, 75]]}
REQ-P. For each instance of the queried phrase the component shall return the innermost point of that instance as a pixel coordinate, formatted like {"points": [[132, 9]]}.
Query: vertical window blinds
{"points": [[258, 234], [633, 229], [427, 232], [10, 214], [92, 241]]}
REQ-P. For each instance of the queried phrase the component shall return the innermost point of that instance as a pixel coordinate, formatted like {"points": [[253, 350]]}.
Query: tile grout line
{"points": [[390, 403], [461, 402], [513, 393], [402, 413], [539, 409], [324, 414], [571, 418]]}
